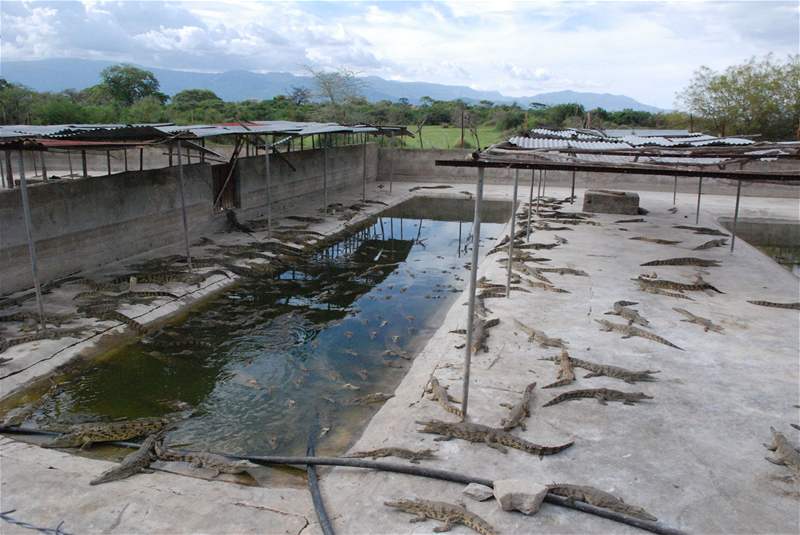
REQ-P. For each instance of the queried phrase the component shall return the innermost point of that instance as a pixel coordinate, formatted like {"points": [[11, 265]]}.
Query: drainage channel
{"points": [[327, 340]]}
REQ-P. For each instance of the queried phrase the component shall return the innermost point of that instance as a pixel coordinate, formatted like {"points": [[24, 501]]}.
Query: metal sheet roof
{"points": [[545, 143]]}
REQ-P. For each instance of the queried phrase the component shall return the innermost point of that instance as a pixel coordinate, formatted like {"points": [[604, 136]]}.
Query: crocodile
{"points": [[597, 370], [664, 284], [31, 316], [47, 334], [548, 287], [706, 323], [659, 291], [563, 271], [519, 411], [376, 397], [113, 315], [539, 337], [701, 230], [629, 330], [620, 308], [132, 464], [84, 435], [440, 395], [683, 261], [493, 437], [446, 513], [599, 498], [785, 453], [219, 464], [602, 395], [711, 243], [655, 240], [411, 455], [566, 372], [792, 306]]}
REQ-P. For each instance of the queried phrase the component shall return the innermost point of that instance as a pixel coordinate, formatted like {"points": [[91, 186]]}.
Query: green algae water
{"points": [[266, 361]]}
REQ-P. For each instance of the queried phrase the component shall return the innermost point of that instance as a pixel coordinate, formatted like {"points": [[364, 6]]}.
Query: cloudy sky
{"points": [[646, 50]]}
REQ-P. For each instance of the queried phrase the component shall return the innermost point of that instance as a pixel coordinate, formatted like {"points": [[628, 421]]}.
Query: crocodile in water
{"points": [[84, 435], [493, 437]]}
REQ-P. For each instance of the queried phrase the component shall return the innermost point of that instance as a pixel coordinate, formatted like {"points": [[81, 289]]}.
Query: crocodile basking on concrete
{"points": [[629, 331], [414, 456], [701, 230], [699, 286], [683, 261], [493, 437], [132, 464], [658, 291], [566, 372], [446, 513], [219, 464], [599, 498], [597, 370], [47, 334], [706, 323], [440, 395], [711, 243], [84, 435], [519, 411], [539, 337], [785, 453], [655, 240], [602, 395], [620, 308], [791, 306]]}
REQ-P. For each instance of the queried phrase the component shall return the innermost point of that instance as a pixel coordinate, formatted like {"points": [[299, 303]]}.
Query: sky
{"points": [[646, 50]]}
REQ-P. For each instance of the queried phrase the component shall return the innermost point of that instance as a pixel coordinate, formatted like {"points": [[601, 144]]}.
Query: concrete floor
{"points": [[692, 456]]}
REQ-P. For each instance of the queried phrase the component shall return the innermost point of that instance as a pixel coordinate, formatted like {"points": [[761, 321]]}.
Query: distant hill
{"points": [[60, 74]]}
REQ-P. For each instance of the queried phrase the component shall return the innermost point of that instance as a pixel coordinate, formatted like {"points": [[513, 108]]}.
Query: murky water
{"points": [[266, 361], [788, 257]]}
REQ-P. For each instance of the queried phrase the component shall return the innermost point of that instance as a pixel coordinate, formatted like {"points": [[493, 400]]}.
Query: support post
{"points": [[391, 172], [183, 206], [108, 161], [572, 193], [675, 191], [364, 173], [736, 213], [69, 160], [83, 162], [544, 181], [26, 211], [473, 282], [44, 168], [125, 157], [9, 171], [512, 232], [268, 179], [202, 153], [141, 158], [530, 207], [699, 193], [539, 192], [325, 175]]}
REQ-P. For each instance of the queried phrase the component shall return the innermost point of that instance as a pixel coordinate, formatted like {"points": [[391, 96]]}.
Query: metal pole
{"points": [[183, 207], [69, 159], [572, 194], [125, 156], [26, 210], [44, 168], [675, 191], [530, 207], [108, 161], [141, 159], [513, 232], [736, 213], [699, 192], [9, 170], [391, 172], [83, 162], [364, 172], [325, 174], [268, 178], [544, 181], [473, 281], [539, 192]]}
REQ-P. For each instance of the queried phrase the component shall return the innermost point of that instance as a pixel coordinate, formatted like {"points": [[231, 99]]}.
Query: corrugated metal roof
{"points": [[545, 143]]}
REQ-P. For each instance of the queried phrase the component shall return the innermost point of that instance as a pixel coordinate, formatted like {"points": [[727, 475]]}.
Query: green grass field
{"points": [[438, 137]]}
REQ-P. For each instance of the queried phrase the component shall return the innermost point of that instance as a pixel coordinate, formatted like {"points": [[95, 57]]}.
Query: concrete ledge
{"points": [[611, 202]]}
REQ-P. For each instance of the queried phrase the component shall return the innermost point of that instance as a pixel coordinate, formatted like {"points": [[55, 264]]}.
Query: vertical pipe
{"points": [[699, 193], [9, 170], [108, 161], [69, 160], [530, 207], [183, 206], [473, 281], [391, 172], [572, 193], [736, 213], [513, 232], [268, 179], [539, 192], [364, 173], [141, 158], [125, 157], [544, 181], [325, 176], [203, 154], [26, 210], [83, 162], [675, 191], [44, 167], [3, 182], [170, 156]]}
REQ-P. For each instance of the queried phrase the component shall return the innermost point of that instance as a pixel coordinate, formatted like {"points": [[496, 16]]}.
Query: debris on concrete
{"points": [[478, 492], [519, 495]]}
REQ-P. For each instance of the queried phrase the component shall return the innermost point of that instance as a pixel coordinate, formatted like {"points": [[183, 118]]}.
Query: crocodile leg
{"points": [[447, 526], [775, 460], [419, 518]]}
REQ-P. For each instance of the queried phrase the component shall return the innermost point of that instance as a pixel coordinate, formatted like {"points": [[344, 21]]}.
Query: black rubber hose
{"points": [[414, 470], [313, 486]]}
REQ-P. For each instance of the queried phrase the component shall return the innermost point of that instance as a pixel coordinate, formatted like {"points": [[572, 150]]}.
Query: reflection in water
{"points": [[266, 358]]}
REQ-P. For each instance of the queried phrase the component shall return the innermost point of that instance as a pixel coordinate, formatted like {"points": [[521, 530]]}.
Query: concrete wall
{"points": [[85, 223], [419, 166]]}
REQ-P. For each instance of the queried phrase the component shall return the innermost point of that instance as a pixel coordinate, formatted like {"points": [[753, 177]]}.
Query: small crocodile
{"points": [[599, 498], [548, 287], [566, 373], [698, 286], [711, 243], [602, 395], [629, 376], [706, 323], [539, 337], [659, 291], [629, 331], [446, 513], [563, 271], [655, 240], [375, 397], [84, 435], [621, 221], [493, 437], [440, 395], [132, 464], [219, 464], [113, 315], [683, 261], [785, 453], [47, 334], [620, 308], [701, 230], [791, 306], [519, 411], [411, 455]]}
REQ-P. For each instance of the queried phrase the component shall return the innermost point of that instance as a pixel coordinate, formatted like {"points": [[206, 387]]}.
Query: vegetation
{"points": [[758, 97]]}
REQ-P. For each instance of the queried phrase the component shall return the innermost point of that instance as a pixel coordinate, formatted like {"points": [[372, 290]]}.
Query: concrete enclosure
{"points": [[88, 222]]}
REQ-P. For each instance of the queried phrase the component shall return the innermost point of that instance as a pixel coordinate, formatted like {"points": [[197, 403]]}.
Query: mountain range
{"points": [[61, 74]]}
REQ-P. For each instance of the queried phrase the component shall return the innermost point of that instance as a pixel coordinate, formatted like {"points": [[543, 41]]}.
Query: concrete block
{"points": [[478, 492], [611, 202], [519, 495]]}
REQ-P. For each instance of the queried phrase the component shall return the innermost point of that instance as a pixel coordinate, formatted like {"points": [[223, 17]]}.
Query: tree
{"points": [[126, 84], [337, 87], [145, 110], [15, 102], [300, 95], [194, 98]]}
